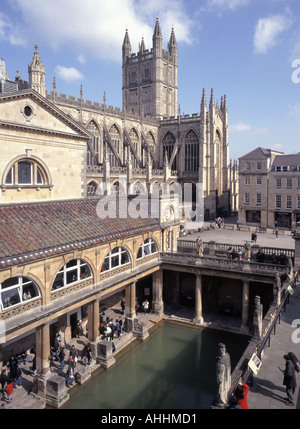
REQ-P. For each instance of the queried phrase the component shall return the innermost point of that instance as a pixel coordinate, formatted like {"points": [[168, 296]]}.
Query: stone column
{"points": [[42, 344], [157, 292], [245, 305], [130, 299], [93, 320], [297, 246], [198, 295]]}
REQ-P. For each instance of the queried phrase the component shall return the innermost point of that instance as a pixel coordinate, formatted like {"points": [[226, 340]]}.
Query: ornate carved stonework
{"points": [[70, 289]]}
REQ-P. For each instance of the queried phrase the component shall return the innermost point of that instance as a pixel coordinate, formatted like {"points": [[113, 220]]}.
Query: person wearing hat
{"points": [[289, 380]]}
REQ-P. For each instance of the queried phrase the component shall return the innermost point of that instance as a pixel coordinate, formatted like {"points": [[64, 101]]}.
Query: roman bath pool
{"points": [[175, 368]]}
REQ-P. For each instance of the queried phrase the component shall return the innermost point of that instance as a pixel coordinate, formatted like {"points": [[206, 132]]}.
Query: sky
{"points": [[246, 49]]}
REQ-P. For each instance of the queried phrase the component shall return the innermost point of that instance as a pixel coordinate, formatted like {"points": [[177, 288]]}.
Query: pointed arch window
{"points": [[168, 148], [151, 145], [135, 142], [94, 156], [191, 151], [116, 141], [75, 271], [17, 290], [116, 258], [93, 189]]}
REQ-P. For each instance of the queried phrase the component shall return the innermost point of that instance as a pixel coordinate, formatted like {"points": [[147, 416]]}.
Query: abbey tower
{"points": [[150, 77]]}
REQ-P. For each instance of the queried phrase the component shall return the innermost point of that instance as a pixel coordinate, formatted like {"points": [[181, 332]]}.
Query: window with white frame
{"points": [[26, 173], [278, 202], [74, 271], [116, 258], [288, 202], [289, 182], [247, 166], [298, 201], [247, 198], [258, 165], [258, 180], [258, 199], [278, 183], [247, 180], [16, 291], [148, 247]]}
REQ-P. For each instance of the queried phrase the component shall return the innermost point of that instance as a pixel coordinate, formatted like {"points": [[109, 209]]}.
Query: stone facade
{"points": [[269, 189], [148, 142], [45, 151]]}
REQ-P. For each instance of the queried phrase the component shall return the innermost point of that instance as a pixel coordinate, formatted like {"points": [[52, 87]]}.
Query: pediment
{"points": [[29, 110]]}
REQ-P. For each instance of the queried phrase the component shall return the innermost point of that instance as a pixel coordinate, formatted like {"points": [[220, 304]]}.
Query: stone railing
{"points": [[11, 312], [69, 289], [220, 263], [242, 372], [213, 248]]}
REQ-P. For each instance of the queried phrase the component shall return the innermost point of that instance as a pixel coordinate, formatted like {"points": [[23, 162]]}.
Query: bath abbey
{"points": [[139, 147], [69, 168]]}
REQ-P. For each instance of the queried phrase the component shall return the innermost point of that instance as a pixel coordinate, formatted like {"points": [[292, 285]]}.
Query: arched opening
{"points": [[191, 151], [75, 271], [168, 148], [16, 291], [93, 189], [135, 142], [116, 141], [26, 172], [116, 258], [94, 156], [148, 247]]}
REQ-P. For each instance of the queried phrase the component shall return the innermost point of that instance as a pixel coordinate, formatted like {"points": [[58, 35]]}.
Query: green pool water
{"points": [[173, 369]]}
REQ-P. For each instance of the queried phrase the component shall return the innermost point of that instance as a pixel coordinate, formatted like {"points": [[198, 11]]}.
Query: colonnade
{"points": [[42, 332]]}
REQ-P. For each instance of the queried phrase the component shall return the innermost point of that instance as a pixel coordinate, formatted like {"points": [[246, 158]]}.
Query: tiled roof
{"points": [[287, 160], [257, 153], [38, 230]]}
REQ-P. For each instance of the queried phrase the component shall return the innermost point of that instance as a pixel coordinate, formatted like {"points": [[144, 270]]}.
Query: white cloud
{"points": [[295, 109], [240, 127], [81, 59], [227, 4], [97, 27], [267, 31], [277, 146], [69, 74], [261, 130]]}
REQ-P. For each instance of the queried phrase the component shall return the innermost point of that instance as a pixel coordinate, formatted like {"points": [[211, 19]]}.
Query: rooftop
{"points": [[37, 230]]}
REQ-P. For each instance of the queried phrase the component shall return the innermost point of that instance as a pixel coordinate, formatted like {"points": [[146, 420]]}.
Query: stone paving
{"points": [[227, 236]]}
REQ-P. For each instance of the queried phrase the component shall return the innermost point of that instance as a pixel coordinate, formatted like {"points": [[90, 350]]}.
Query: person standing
{"points": [[146, 305], [3, 380], [61, 356], [241, 393], [18, 378], [123, 306], [9, 390], [295, 361], [74, 354], [276, 233], [289, 380]]}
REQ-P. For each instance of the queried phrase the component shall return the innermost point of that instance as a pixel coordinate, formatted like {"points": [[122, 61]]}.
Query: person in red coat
{"points": [[241, 393], [9, 390]]}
